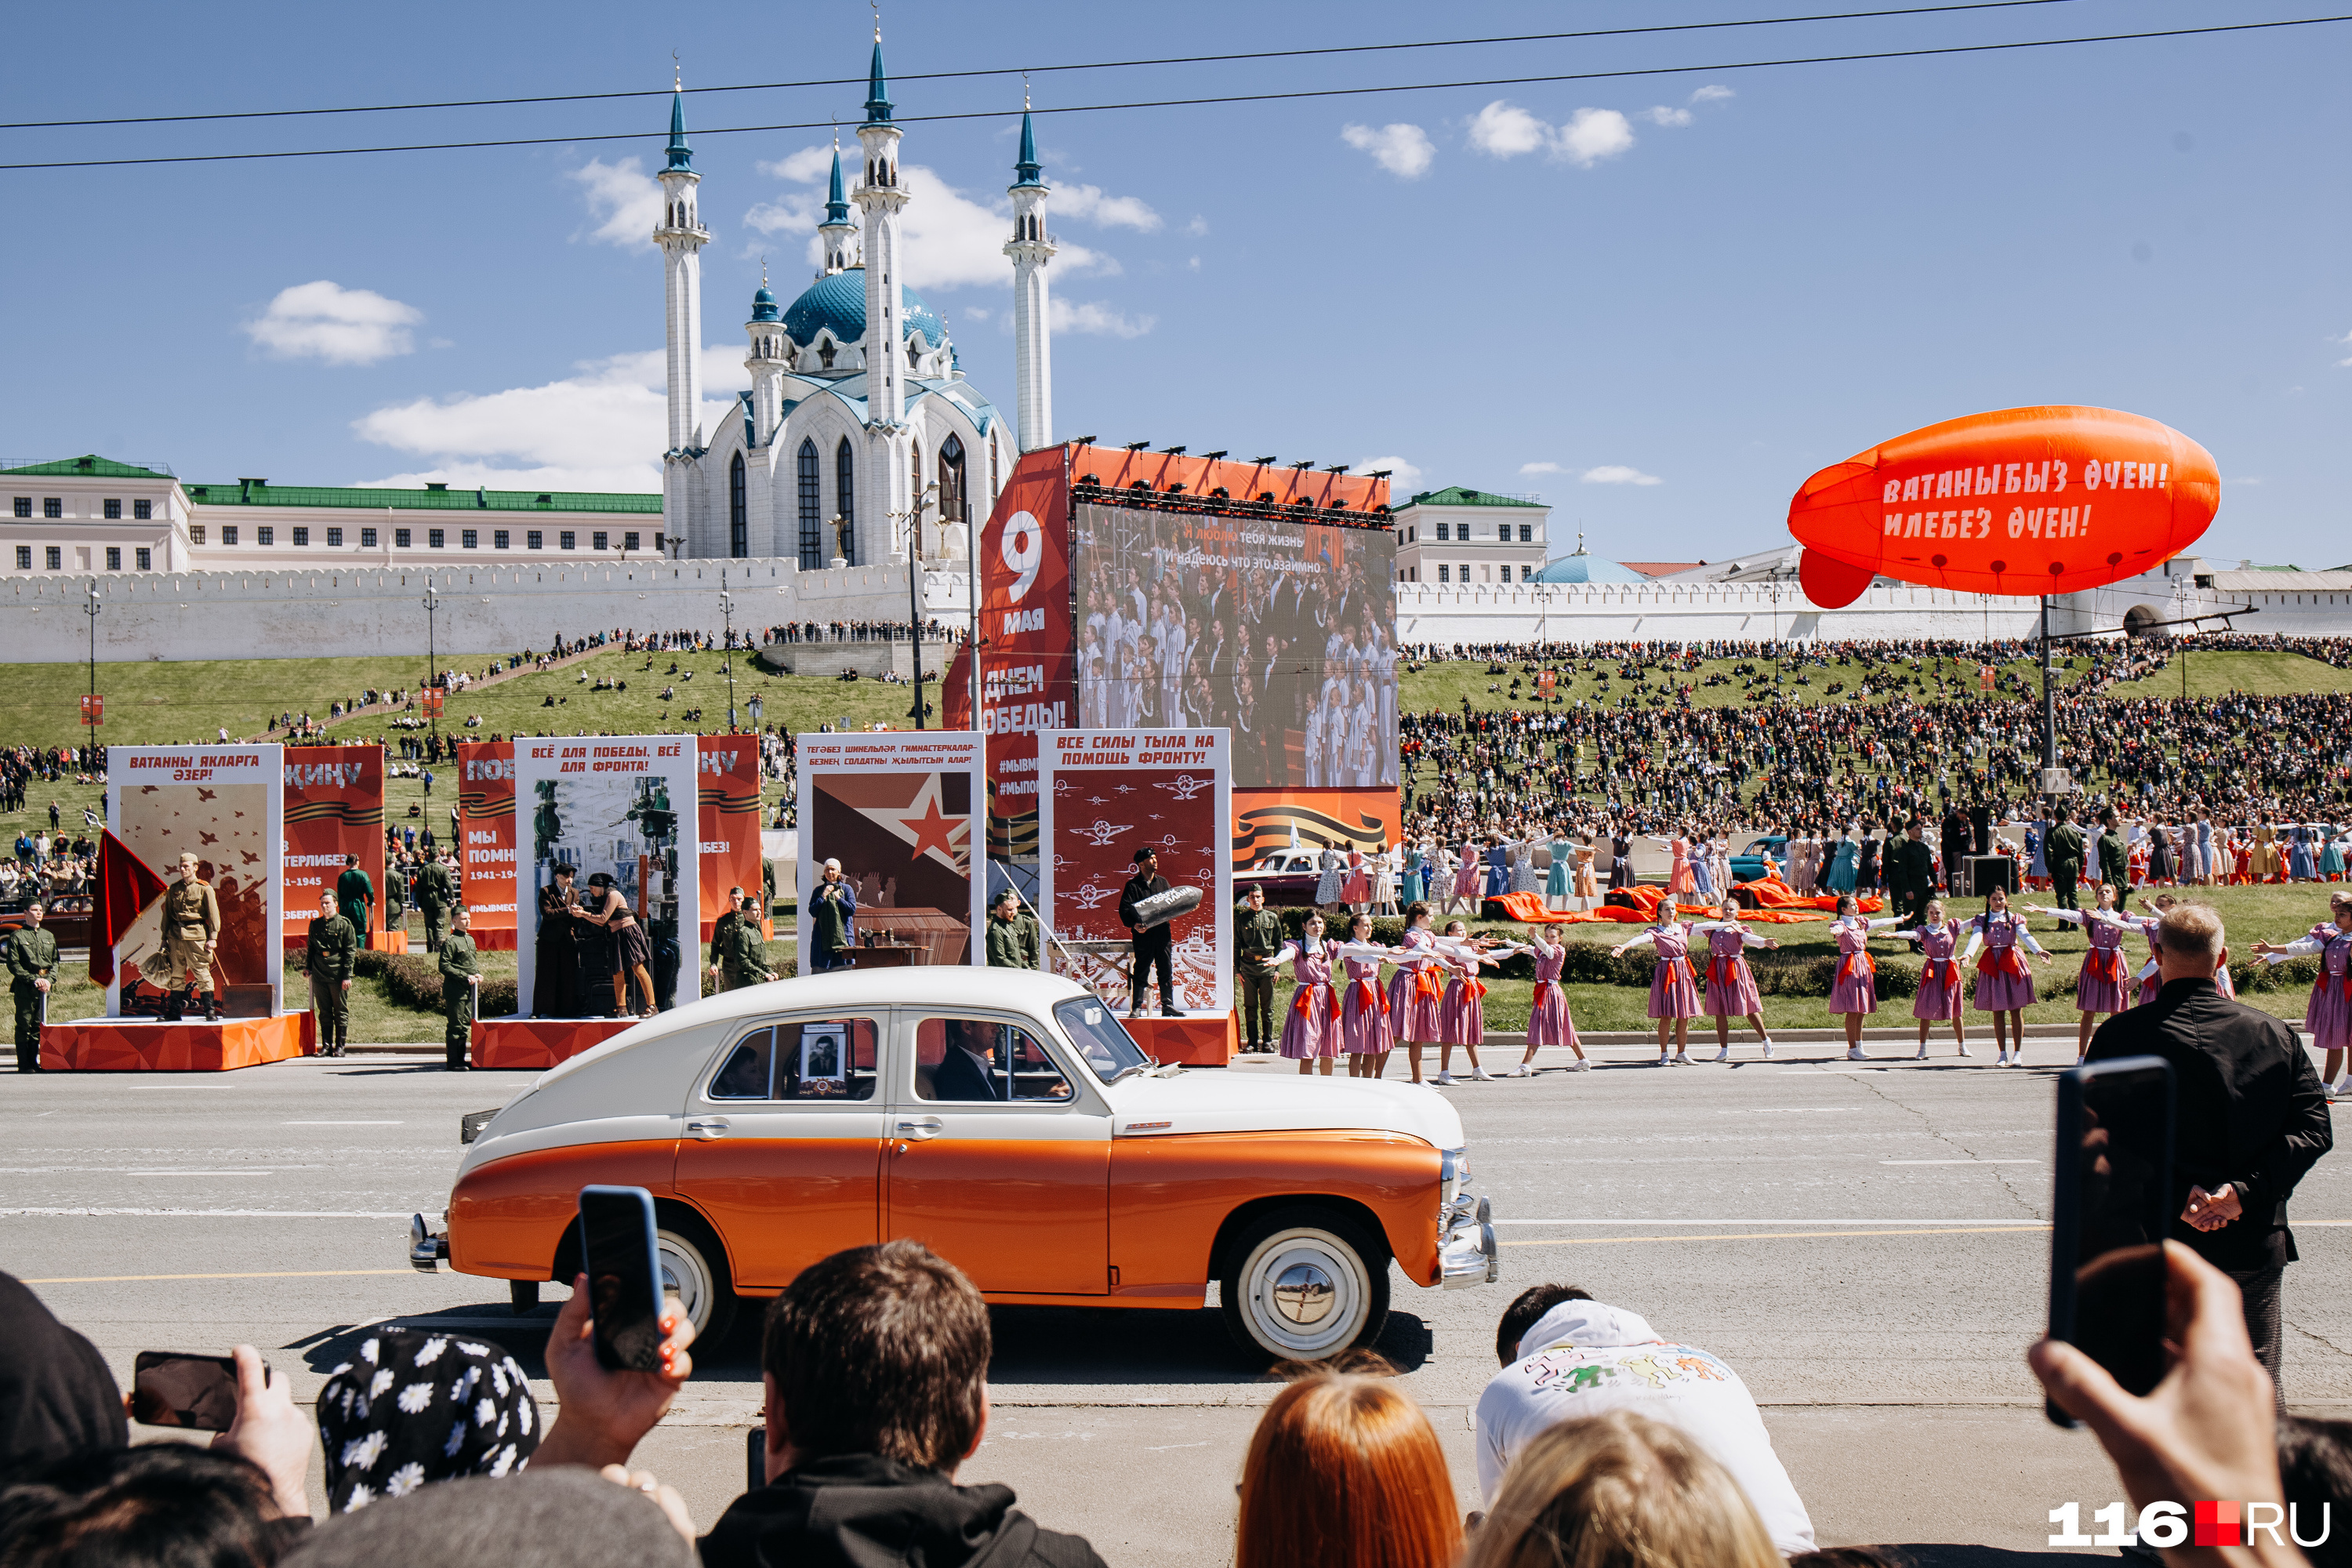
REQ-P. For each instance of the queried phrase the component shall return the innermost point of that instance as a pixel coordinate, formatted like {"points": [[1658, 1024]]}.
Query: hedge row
{"points": [[413, 979]]}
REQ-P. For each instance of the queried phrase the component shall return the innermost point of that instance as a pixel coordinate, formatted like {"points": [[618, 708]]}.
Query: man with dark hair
{"points": [[32, 971], [1154, 946], [2064, 856], [1916, 866], [355, 896], [1526, 1311], [2250, 1115], [1257, 937]]}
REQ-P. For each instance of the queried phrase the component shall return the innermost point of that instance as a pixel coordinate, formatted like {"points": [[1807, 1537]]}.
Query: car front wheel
{"points": [[1303, 1284]]}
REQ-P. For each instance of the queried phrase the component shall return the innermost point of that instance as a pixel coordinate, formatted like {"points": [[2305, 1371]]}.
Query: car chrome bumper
{"points": [[427, 1250], [1466, 1252]]}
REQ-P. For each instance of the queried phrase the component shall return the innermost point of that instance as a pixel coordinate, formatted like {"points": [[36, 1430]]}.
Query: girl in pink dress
{"points": [[1550, 1023], [1461, 1016], [1939, 980], [1678, 876], [1674, 989], [1363, 1006], [2004, 985], [1854, 991], [1356, 892], [1469, 880], [1416, 992], [2328, 1013], [1730, 984], [1310, 1026], [2149, 980], [2101, 987]]}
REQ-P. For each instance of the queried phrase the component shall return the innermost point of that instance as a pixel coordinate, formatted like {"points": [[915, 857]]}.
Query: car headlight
{"points": [[1453, 1177]]}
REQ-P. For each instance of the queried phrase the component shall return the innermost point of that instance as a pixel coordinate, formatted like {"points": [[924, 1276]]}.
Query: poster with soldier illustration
{"points": [[224, 806]]}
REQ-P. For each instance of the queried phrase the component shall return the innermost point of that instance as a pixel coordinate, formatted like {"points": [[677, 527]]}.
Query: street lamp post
{"points": [[914, 521], [432, 684], [727, 621], [90, 607]]}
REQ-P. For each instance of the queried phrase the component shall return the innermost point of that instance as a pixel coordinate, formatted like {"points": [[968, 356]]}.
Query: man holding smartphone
{"points": [[2251, 1117]]}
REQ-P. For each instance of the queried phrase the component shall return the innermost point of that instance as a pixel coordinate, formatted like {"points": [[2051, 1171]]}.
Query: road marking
{"points": [[178, 1172], [1766, 1235], [1968, 1223], [201, 1214], [1959, 1161], [342, 1125], [287, 1274], [1783, 1110]]}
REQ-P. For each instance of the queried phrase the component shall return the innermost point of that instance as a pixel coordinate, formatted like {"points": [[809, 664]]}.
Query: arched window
{"points": [[845, 494], [953, 505], [812, 510], [739, 520]]}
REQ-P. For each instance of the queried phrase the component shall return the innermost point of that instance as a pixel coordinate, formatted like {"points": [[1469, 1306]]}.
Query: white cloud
{"points": [[1192, 264], [950, 240], [1090, 204], [1070, 316], [1541, 468], [2345, 339], [1661, 115], [2244, 481], [1403, 476], [1618, 474], [1503, 130], [622, 199], [562, 435], [1198, 226], [1592, 134], [342, 326], [1712, 93], [1403, 149]]}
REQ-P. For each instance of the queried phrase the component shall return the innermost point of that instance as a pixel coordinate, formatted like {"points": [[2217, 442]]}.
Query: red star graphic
{"points": [[932, 830]]}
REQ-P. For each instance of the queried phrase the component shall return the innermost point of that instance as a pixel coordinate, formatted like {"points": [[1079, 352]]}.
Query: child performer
{"points": [[1469, 880], [2100, 987], [1364, 1006], [2328, 1015], [1730, 984], [1855, 991], [1939, 980], [1461, 1016], [2149, 979], [1310, 1026], [1549, 1020], [1674, 991], [2004, 987], [1415, 994]]}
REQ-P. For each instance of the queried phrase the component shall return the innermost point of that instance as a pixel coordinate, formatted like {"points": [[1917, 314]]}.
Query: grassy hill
{"points": [[2221, 674]]}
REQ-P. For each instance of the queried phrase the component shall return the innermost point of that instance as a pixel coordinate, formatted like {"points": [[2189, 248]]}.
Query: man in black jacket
{"points": [[2251, 1119], [1154, 946]]}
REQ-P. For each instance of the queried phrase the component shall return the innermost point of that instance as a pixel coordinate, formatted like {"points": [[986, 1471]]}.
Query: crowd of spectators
{"points": [[934, 630]]}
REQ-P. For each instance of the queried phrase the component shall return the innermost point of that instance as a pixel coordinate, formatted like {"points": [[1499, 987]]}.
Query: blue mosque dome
{"points": [[763, 305], [1580, 567], [836, 302]]}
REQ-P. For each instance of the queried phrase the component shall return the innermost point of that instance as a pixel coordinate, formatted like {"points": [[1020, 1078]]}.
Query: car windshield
{"points": [[1099, 1036]]}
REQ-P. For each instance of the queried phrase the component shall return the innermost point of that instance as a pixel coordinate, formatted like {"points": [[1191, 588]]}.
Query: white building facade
{"points": [[1459, 537]]}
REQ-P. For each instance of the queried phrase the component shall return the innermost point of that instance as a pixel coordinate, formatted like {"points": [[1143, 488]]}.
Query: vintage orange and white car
{"points": [[1004, 1119]]}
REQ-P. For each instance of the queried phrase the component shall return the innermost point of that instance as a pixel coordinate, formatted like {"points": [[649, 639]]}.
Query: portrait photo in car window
{"points": [[619, 810], [827, 1059], [897, 812]]}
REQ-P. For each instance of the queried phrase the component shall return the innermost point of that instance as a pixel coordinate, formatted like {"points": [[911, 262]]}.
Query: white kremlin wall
{"points": [[321, 614]]}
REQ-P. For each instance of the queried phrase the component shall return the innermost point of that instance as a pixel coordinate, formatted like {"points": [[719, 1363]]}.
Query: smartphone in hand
{"points": [[172, 1388], [2114, 1208], [624, 1293]]}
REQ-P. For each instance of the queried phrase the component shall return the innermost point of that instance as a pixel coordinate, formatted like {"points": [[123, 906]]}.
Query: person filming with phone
{"points": [[2252, 1118]]}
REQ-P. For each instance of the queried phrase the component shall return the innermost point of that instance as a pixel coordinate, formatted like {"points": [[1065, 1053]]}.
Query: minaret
{"points": [[1033, 338], [767, 362], [886, 486], [681, 237], [837, 228]]}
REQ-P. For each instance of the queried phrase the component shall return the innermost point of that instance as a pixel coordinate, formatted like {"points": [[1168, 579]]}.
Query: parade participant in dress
{"points": [[1469, 880], [2328, 1013], [1556, 880], [1587, 882], [1621, 859], [1462, 1015], [2004, 985], [1679, 880], [2100, 987], [2148, 980], [1364, 1010], [1843, 862], [1310, 1024], [1938, 1000], [1855, 993], [1550, 1023], [1416, 992], [1674, 989], [1730, 984]]}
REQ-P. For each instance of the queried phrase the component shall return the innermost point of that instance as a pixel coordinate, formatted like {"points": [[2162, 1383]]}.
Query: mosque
{"points": [[859, 433]]}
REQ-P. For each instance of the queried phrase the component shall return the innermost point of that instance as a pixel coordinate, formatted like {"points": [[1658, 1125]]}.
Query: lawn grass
{"points": [[2223, 674], [1445, 685]]}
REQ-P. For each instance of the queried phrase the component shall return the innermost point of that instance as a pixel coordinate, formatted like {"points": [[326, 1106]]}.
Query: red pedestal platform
{"points": [[388, 941], [143, 1045], [1204, 1040], [535, 1045]]}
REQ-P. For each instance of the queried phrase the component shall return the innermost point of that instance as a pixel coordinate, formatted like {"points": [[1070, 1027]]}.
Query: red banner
{"points": [[334, 807], [486, 851], [727, 821], [1027, 681], [93, 709]]}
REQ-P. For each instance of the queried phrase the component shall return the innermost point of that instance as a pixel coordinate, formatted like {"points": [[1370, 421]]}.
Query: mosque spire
{"points": [[681, 156], [1027, 168], [877, 81], [836, 206]]}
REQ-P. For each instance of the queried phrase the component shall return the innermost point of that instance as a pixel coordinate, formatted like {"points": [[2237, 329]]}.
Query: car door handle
{"points": [[921, 1126], [706, 1127]]}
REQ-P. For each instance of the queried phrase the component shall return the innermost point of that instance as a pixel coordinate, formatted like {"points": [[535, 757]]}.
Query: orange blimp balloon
{"points": [[2024, 500]]}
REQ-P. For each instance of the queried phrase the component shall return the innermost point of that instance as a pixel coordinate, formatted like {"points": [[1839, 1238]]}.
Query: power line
{"points": [[1040, 70], [1210, 101]]}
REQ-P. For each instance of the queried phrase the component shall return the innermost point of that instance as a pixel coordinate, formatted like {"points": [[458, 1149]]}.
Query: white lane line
{"points": [[2013, 1219], [1959, 1161], [342, 1125], [178, 1173], [1783, 1110], [200, 1213]]}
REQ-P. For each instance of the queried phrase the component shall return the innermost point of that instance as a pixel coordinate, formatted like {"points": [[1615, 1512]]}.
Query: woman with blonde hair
{"points": [[1345, 1470], [1620, 1491]]}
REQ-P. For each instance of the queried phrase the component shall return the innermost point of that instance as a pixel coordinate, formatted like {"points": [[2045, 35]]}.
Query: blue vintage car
{"points": [[1748, 864]]}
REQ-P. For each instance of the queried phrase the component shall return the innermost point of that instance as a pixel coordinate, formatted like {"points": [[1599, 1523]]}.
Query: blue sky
{"points": [[1659, 301]]}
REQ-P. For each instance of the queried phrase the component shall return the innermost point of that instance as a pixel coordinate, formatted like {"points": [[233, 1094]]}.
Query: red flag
{"points": [[126, 886]]}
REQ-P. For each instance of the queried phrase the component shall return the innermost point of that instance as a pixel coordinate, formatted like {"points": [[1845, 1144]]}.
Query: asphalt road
{"points": [[1864, 1243]]}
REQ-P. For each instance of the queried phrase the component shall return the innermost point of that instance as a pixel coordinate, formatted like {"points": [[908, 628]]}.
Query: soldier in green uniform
{"points": [[2064, 858], [461, 982], [737, 955], [1257, 937], [32, 970], [192, 924], [1916, 864], [328, 953], [2114, 855], [437, 895], [355, 896], [723, 931], [1008, 947]]}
